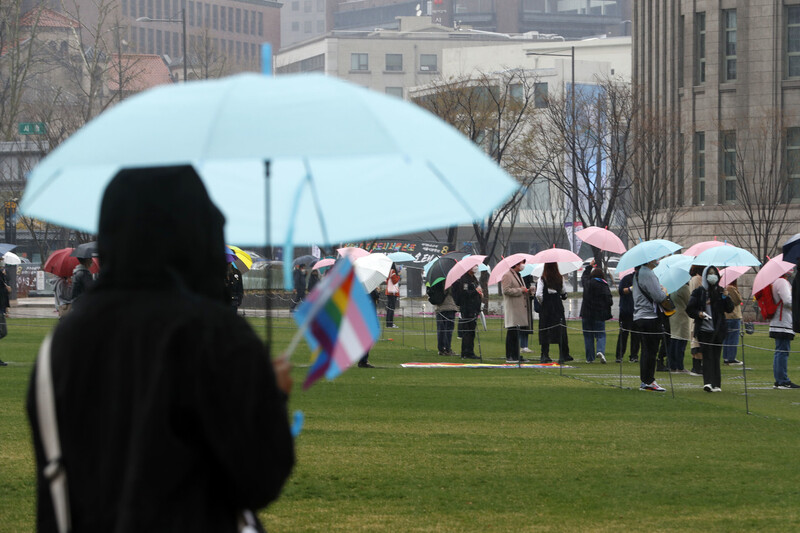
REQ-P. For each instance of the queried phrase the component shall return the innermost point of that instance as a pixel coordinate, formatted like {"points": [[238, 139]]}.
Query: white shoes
{"points": [[525, 350], [601, 357]]}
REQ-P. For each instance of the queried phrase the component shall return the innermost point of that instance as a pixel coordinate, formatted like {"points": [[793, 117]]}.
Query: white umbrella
{"points": [[11, 258], [372, 270]]}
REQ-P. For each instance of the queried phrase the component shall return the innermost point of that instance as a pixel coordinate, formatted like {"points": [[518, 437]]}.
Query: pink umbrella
{"points": [[731, 274], [352, 252], [462, 267], [322, 263], [505, 265], [601, 238], [701, 247], [626, 272], [555, 255], [775, 268]]}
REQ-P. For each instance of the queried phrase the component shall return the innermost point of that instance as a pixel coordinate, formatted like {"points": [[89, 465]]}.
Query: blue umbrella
{"points": [[725, 256], [791, 249], [646, 251], [673, 272], [5, 248], [329, 149], [401, 257]]}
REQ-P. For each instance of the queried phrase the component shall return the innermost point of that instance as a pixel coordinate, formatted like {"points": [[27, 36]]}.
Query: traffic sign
{"points": [[32, 128]]}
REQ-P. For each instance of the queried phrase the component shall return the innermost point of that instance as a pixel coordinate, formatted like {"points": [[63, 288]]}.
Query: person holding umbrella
{"points": [[707, 306], [550, 292], [626, 327], [781, 329], [595, 310], [517, 307], [299, 280], [82, 278], [647, 294], [734, 319], [468, 295], [392, 294]]}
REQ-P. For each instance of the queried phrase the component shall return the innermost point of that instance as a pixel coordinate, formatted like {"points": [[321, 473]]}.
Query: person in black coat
{"points": [[170, 413], [707, 306], [468, 295], [235, 287], [595, 310], [299, 281], [552, 321], [5, 291], [626, 321]]}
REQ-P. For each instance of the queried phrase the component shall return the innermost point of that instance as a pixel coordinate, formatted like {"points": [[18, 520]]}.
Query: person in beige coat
{"points": [[517, 308], [680, 326]]}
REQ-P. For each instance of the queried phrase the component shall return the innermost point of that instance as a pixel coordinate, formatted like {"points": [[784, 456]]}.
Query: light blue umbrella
{"points": [[401, 257], [646, 251], [673, 272], [334, 154], [725, 256]]}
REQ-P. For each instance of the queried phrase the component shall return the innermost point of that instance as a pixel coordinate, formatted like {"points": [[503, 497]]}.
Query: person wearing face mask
{"points": [[468, 295], [517, 307], [707, 306], [551, 294]]}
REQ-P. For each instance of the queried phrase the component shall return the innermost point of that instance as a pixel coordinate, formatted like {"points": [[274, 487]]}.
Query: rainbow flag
{"points": [[339, 322]]}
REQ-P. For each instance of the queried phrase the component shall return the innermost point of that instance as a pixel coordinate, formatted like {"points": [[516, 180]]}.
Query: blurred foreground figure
{"points": [[170, 414]]}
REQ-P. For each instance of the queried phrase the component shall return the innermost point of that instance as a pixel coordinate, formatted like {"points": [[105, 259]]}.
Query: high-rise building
{"points": [[724, 79]]}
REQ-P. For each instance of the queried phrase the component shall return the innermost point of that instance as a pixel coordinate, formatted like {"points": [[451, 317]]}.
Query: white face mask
{"points": [[475, 270], [712, 279]]}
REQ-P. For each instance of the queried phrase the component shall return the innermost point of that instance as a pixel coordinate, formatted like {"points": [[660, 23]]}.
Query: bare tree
{"points": [[764, 159], [207, 58], [17, 60], [656, 196]]}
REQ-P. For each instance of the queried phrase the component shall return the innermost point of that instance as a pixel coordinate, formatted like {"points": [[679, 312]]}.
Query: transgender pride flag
{"points": [[339, 322]]}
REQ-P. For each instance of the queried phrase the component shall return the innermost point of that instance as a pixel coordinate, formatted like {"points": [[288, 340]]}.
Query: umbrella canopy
{"points": [[438, 268], [555, 255], [322, 263], [725, 256], [11, 258], [85, 250], [352, 252], [647, 251], [329, 145], [5, 247], [622, 273], [372, 270], [775, 268], [61, 263], [462, 267], [564, 267], [240, 259], [673, 272], [306, 260], [601, 238], [696, 249], [730, 274], [505, 265], [791, 249], [401, 257]]}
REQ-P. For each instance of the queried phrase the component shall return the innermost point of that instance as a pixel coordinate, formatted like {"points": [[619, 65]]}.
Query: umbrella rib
{"points": [[317, 204], [453, 191]]}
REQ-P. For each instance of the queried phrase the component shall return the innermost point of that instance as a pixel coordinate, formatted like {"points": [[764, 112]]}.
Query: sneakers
{"points": [[735, 362], [716, 389], [525, 350], [618, 361], [450, 352], [661, 367], [633, 359], [515, 361], [3, 363], [786, 386], [543, 360], [470, 356], [652, 387], [601, 357], [444, 353], [365, 365], [394, 326], [567, 358], [681, 371], [695, 374], [708, 388]]}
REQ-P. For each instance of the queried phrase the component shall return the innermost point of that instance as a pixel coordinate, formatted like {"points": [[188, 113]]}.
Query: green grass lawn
{"points": [[577, 449]]}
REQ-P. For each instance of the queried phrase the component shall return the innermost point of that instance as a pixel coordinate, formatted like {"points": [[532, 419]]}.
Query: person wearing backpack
{"points": [[781, 329], [707, 306], [445, 318]]}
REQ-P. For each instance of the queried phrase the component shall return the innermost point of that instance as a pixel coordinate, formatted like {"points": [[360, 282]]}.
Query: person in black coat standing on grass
{"points": [[595, 310], [626, 328], [170, 413], [707, 306], [468, 295]]}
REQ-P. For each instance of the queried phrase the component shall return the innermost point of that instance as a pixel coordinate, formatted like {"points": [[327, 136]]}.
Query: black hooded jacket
{"points": [[169, 415]]}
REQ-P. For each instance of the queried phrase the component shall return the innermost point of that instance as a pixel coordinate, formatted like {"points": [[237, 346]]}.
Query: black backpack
{"points": [[436, 294]]}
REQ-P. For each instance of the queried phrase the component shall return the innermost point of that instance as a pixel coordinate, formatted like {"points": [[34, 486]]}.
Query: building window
{"points": [[223, 21], [427, 63], [261, 24], [238, 20], [394, 62], [728, 182], [296, 6], [320, 26], [230, 24], [296, 25], [215, 17], [307, 6], [540, 95], [395, 91], [681, 49], [793, 41], [729, 44], [246, 23], [793, 163], [200, 14], [699, 168], [191, 13], [307, 26], [700, 48], [359, 62]]}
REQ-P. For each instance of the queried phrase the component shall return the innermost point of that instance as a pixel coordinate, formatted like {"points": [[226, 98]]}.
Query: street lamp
{"points": [[182, 21]]}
